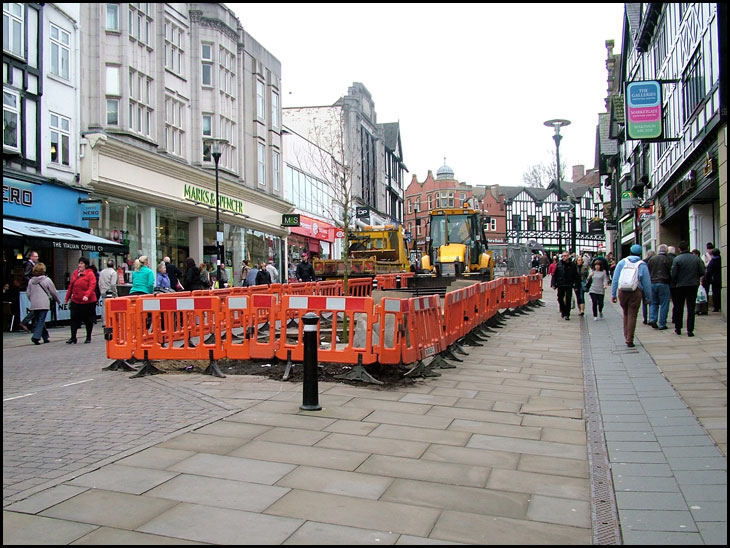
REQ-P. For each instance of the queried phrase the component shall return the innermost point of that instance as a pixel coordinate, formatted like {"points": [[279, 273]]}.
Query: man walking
{"points": [[565, 279], [27, 275], [305, 270], [174, 273], [687, 269], [632, 285], [660, 270]]}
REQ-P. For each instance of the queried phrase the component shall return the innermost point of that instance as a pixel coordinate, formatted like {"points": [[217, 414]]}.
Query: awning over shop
{"points": [[60, 237]]}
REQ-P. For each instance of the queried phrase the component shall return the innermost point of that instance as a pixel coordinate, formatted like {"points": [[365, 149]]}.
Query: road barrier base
{"points": [[359, 373], [421, 370], [119, 365]]}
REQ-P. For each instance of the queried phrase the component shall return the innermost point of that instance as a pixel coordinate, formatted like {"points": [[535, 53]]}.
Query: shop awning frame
{"points": [[60, 237]]}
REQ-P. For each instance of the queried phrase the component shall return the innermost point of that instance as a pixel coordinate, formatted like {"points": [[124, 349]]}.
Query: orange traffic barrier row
{"points": [[265, 322]]}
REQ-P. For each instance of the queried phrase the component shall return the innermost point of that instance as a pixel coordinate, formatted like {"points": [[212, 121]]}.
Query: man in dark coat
{"points": [[174, 273], [565, 280], [305, 270], [687, 271]]}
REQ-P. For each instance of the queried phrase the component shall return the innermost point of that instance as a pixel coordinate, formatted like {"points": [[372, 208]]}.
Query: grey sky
{"points": [[470, 82]]}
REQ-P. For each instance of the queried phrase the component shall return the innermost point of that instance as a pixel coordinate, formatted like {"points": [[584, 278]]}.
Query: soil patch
{"points": [[390, 375]]}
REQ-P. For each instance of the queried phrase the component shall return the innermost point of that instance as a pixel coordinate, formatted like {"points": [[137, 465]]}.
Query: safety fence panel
{"points": [[120, 331], [345, 329], [259, 317], [453, 324], [426, 328], [359, 287], [393, 339], [332, 288], [398, 280], [534, 287], [163, 322]]}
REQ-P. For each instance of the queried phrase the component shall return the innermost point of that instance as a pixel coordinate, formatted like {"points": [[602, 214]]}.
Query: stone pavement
{"points": [[492, 451]]}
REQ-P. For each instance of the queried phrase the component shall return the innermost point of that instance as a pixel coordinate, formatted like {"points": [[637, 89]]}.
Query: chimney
{"points": [[578, 173]]}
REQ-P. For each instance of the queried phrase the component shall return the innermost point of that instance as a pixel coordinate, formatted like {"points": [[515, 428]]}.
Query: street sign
{"points": [[291, 219], [563, 207]]}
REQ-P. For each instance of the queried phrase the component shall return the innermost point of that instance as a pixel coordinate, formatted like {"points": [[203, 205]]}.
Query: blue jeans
{"points": [[38, 322], [659, 303]]}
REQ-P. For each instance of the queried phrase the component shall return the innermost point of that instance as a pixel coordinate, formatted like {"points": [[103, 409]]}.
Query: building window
{"points": [[13, 29], [546, 222], [140, 24], [174, 126], [430, 202], [207, 60], [60, 139], [274, 109], [112, 112], [275, 159], [174, 48], [112, 17], [260, 100], [262, 163], [11, 120], [226, 69], [112, 81], [60, 51], [493, 223], [531, 222], [516, 222], [140, 98], [693, 85]]}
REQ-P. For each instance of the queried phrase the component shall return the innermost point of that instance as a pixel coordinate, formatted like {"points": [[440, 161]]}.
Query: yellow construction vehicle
{"points": [[374, 249], [456, 244]]}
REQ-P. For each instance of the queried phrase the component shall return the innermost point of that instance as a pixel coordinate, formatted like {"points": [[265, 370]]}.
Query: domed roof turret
{"points": [[444, 172]]}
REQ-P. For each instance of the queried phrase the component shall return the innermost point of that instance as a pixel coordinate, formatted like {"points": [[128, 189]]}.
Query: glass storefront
{"points": [[173, 237]]}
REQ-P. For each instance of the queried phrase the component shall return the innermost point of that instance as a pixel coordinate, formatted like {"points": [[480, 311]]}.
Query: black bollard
{"points": [[375, 284], [397, 282], [310, 395]]}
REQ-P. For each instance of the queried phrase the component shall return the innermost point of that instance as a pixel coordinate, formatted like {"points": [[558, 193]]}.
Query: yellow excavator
{"points": [[374, 249], [456, 244]]}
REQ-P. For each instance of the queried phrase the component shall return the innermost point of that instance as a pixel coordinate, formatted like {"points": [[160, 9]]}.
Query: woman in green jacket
{"points": [[143, 278]]}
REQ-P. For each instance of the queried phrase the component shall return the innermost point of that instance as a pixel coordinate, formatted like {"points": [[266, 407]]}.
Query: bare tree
{"points": [[331, 159], [540, 175]]}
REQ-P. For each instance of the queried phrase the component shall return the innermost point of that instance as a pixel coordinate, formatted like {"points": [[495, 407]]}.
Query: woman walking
{"points": [[41, 292], [580, 292], [597, 284], [143, 279], [82, 294]]}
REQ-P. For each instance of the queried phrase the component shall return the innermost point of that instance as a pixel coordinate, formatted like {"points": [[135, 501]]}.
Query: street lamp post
{"points": [[215, 151], [557, 124]]}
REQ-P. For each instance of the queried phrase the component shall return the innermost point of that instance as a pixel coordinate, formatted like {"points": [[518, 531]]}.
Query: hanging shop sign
{"points": [[644, 110], [645, 213], [629, 200]]}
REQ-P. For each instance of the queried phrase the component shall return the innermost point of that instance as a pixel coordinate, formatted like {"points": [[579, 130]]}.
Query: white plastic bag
{"points": [[701, 295]]}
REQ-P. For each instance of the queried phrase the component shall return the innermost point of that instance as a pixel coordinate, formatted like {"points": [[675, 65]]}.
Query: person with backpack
{"points": [[630, 287], [687, 270]]}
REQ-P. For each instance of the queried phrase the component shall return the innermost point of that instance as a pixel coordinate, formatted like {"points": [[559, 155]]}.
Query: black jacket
{"points": [[566, 275], [175, 274], [687, 269], [263, 277], [660, 268], [305, 272], [712, 274], [192, 279]]}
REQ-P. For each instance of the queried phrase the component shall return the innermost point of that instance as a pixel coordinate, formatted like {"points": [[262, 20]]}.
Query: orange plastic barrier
{"points": [[171, 316], [345, 329], [395, 343], [427, 334], [360, 287]]}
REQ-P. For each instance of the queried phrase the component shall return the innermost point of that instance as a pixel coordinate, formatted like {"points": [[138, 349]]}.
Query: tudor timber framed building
{"points": [[681, 177]]}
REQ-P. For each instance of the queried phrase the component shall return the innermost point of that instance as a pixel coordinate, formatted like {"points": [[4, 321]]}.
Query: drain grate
{"points": [[604, 512]]}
